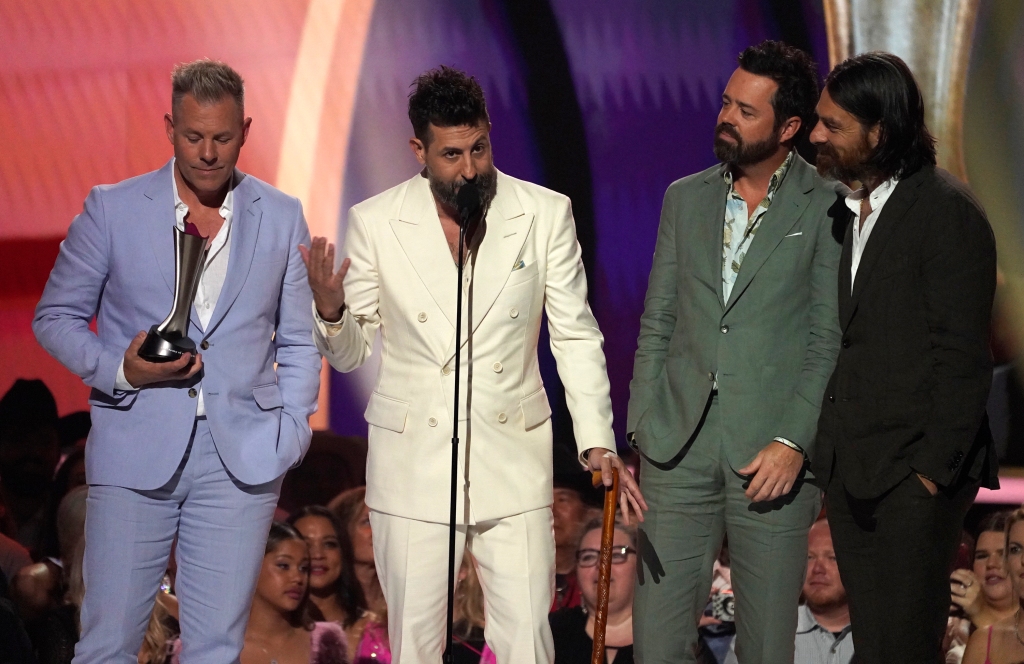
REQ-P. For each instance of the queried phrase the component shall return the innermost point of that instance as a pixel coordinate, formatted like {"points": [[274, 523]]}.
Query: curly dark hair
{"points": [[879, 89], [794, 72], [445, 97], [348, 588]]}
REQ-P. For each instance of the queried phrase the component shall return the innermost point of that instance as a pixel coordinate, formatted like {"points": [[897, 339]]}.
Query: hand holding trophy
{"points": [[167, 352]]}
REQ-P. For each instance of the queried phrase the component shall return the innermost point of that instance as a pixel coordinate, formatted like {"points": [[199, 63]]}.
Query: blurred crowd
{"points": [[318, 598]]}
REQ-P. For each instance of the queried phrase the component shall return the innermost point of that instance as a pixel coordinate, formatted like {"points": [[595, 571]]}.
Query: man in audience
{"points": [[29, 453], [823, 620]]}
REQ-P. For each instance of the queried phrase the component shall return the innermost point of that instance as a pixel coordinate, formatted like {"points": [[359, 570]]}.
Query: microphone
{"points": [[468, 202]]}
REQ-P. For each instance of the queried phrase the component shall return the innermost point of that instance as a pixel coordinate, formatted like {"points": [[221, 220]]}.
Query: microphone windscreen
{"points": [[468, 200]]}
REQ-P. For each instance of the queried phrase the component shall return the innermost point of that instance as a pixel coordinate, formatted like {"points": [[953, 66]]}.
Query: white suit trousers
{"points": [[516, 564]]}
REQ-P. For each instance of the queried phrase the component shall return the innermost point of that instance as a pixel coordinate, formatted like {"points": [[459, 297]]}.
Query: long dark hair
{"points": [[348, 589], [280, 533], [879, 89]]}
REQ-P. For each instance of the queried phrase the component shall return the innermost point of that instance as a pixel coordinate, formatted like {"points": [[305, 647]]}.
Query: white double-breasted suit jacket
{"points": [[403, 280]]}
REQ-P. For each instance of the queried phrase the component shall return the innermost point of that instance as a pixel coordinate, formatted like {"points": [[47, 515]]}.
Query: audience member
{"points": [[350, 507], [57, 629], [13, 558], [573, 628], [1001, 642], [70, 474], [29, 453], [823, 630], [280, 627], [985, 593], [334, 590], [823, 634], [469, 617], [40, 591], [573, 501]]}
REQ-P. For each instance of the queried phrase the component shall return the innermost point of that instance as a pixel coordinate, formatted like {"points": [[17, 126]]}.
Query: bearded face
{"points": [[447, 192], [845, 163], [739, 152]]}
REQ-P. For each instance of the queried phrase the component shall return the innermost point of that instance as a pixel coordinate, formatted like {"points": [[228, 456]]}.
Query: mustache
{"points": [[725, 128]]}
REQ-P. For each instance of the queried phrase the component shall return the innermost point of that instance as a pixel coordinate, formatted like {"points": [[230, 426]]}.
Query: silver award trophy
{"points": [[169, 340]]}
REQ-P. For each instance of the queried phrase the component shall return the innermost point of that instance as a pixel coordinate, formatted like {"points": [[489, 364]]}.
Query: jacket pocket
{"points": [[386, 413], [522, 275], [536, 409], [267, 397]]}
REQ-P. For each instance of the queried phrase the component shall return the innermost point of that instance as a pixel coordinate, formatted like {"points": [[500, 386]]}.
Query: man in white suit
{"points": [[400, 275]]}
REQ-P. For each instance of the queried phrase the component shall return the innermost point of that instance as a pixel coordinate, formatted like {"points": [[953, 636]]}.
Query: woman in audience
{"points": [[985, 593], [573, 629], [280, 628], [350, 508], [334, 590], [1003, 642]]}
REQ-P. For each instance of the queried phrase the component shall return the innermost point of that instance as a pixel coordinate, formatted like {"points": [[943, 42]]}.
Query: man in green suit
{"points": [[739, 335]]}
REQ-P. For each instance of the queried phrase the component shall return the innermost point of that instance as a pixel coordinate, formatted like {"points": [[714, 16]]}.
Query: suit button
{"points": [[711, 375], [513, 313], [192, 392], [724, 329], [422, 317], [846, 343], [502, 417], [497, 367], [832, 398], [204, 345], [432, 421]]}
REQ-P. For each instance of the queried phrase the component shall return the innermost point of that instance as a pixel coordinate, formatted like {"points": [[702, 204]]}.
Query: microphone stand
{"points": [[449, 654]]}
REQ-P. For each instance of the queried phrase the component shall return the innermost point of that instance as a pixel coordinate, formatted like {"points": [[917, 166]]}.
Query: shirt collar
{"points": [[805, 621], [225, 207], [877, 198], [777, 176]]}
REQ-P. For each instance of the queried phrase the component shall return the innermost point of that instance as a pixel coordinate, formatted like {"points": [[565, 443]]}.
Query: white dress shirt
{"points": [[876, 199], [211, 280]]}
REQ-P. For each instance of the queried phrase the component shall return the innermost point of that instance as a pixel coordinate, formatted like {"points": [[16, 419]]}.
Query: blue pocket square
{"points": [[518, 266]]}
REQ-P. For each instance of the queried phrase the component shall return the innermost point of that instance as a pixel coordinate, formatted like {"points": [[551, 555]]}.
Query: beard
{"points": [[849, 167], [447, 193], [742, 153], [820, 601]]}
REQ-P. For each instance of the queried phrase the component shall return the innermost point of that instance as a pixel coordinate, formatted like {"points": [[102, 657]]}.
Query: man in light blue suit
{"points": [[196, 447]]}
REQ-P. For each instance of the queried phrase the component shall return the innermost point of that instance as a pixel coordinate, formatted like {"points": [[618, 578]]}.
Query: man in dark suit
{"points": [[903, 441]]}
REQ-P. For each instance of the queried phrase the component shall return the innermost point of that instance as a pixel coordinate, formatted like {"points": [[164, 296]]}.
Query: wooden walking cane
{"points": [[604, 570]]}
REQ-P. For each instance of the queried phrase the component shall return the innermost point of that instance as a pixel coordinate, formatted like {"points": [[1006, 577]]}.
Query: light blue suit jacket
{"points": [[117, 264]]}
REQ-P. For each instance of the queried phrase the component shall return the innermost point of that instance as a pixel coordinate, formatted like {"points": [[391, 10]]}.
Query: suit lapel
{"points": [[789, 204], [901, 200], [507, 227], [160, 221], [704, 237], [245, 228], [418, 230]]}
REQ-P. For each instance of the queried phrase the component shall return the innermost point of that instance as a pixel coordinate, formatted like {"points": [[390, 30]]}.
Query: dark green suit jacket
{"points": [[772, 346]]}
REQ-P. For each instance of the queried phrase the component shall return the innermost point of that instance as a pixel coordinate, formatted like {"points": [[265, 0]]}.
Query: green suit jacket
{"points": [[772, 346]]}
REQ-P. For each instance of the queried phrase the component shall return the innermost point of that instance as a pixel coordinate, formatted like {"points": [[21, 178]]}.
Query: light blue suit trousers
{"points": [[222, 528]]}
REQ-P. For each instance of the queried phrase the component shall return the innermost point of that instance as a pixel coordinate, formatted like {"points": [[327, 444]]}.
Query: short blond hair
{"points": [[207, 81]]}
